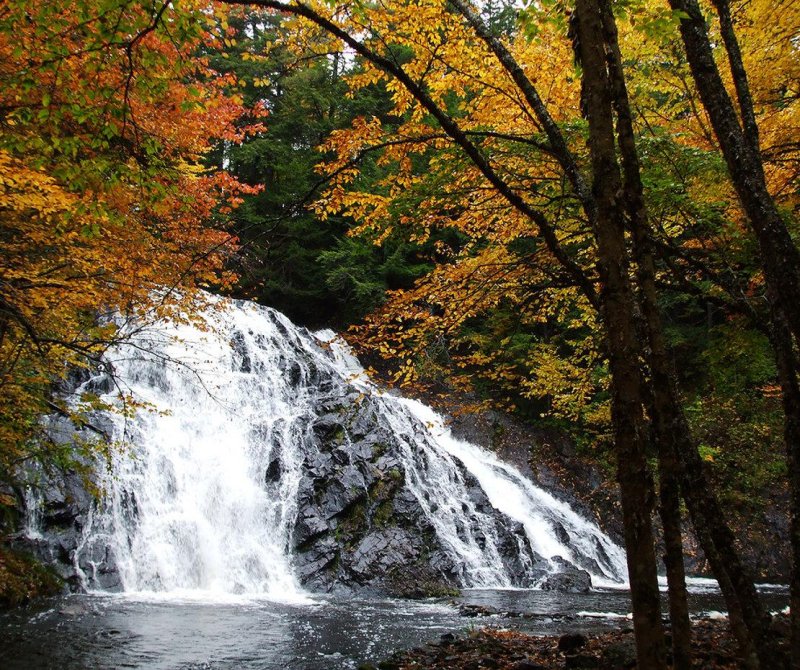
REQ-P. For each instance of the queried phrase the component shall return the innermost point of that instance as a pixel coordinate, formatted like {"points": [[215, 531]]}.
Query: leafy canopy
{"points": [[107, 109]]}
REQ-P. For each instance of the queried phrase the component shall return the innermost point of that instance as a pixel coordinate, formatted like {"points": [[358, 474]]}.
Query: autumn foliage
{"points": [[499, 307], [107, 110]]}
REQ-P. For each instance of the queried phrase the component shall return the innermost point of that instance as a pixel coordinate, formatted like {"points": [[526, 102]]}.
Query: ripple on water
{"points": [[104, 632]]}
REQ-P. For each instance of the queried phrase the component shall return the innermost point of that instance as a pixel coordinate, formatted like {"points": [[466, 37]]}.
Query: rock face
{"points": [[357, 491], [358, 524], [62, 514]]}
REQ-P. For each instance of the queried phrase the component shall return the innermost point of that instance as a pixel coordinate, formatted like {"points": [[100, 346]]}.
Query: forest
{"points": [[582, 213]]}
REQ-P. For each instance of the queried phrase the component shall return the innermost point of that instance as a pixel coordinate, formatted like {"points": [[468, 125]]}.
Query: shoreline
{"points": [[502, 649]]}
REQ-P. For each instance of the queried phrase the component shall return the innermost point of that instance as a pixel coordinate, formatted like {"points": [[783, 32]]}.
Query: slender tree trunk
{"points": [[663, 401], [670, 510], [780, 257], [617, 301], [787, 373], [740, 82]]}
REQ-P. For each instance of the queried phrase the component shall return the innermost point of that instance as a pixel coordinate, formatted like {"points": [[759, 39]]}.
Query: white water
{"points": [[518, 498], [188, 509]]}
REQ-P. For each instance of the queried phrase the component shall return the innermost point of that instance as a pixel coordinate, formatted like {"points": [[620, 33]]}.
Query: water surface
{"points": [[136, 631]]}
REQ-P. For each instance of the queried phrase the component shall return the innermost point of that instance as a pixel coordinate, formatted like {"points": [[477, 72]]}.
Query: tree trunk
{"points": [[787, 373], [617, 301], [780, 257], [739, 74], [663, 401], [670, 510]]}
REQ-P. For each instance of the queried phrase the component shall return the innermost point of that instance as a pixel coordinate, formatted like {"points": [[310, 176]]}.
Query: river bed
{"points": [[320, 633]]}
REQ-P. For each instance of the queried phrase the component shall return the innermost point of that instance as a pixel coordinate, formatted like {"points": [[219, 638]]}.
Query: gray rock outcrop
{"points": [[363, 509]]}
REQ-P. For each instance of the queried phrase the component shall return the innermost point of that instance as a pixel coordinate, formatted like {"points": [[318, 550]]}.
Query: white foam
{"points": [[603, 615], [192, 512]]}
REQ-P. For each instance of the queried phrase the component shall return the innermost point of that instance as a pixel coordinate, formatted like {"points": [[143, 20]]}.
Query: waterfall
{"points": [[210, 488]]}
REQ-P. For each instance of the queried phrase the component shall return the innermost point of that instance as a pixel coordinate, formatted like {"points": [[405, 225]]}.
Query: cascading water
{"points": [[211, 489]]}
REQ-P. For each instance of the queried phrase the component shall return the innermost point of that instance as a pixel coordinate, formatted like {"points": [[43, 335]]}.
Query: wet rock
{"points": [[106, 581], [65, 500], [73, 610], [309, 525], [381, 551], [577, 582], [348, 488], [561, 533], [341, 455], [518, 556], [99, 384], [295, 373], [417, 581], [273, 471], [477, 611], [240, 348], [98, 566], [405, 503], [361, 451], [328, 426], [568, 580], [310, 564], [443, 564], [318, 465]]}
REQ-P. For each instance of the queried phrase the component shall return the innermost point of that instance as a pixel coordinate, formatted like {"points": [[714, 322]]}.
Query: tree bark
{"points": [[662, 383], [739, 74], [780, 257], [787, 373], [618, 311], [670, 511]]}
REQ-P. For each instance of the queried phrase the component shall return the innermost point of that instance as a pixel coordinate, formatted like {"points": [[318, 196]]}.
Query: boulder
{"points": [[569, 580]]}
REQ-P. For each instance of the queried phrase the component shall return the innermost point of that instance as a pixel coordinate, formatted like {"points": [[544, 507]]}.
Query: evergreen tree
{"points": [[291, 260]]}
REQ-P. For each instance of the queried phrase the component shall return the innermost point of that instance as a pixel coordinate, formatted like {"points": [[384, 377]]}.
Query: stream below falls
{"points": [[321, 633]]}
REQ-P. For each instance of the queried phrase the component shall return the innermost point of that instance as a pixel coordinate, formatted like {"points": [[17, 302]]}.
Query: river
{"points": [[318, 633]]}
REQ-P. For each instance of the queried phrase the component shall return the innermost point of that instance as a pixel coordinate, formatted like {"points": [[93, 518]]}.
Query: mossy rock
{"points": [[23, 579], [383, 514], [418, 582]]}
